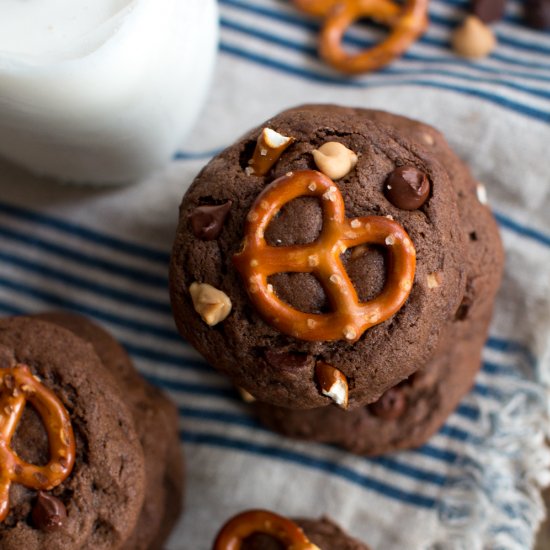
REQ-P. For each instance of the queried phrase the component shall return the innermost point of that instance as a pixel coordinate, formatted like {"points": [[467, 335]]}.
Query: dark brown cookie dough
{"points": [[327, 535], [104, 493], [156, 420], [408, 414], [277, 368]]}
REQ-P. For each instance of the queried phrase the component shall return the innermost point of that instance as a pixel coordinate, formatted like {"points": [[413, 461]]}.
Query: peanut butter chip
{"points": [[434, 279], [211, 304], [246, 396], [473, 39], [334, 159]]}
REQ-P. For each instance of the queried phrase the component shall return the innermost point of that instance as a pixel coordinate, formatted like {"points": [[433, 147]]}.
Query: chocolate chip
{"points": [[537, 14], [489, 10], [390, 406], [407, 187], [463, 310], [49, 513], [286, 360], [207, 220]]}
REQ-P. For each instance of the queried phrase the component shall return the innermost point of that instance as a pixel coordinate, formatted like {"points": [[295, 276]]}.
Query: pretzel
{"points": [[407, 24], [19, 386], [233, 534], [349, 318]]}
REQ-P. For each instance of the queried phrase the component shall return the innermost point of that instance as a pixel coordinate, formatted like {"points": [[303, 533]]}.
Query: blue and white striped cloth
{"points": [[104, 253]]}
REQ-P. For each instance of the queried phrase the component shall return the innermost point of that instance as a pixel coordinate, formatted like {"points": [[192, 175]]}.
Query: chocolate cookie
{"points": [[406, 416], [409, 413], [264, 530], [156, 420], [301, 301], [97, 494]]}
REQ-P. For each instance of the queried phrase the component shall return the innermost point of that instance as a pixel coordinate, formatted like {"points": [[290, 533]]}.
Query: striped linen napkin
{"points": [[104, 252]]}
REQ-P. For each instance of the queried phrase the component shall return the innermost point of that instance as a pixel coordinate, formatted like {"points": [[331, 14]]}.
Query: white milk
{"points": [[102, 90]]}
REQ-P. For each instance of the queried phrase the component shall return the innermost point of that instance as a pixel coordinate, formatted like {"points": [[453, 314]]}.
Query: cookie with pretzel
{"points": [[82, 472], [157, 426], [408, 414], [321, 258], [265, 530]]}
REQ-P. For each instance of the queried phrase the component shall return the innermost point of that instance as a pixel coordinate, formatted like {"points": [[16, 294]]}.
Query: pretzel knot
{"points": [[407, 23], [18, 386], [349, 318], [236, 530]]}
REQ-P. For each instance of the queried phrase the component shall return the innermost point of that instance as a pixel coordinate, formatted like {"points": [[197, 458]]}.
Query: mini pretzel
{"points": [[238, 529], [349, 318], [19, 386], [407, 24]]}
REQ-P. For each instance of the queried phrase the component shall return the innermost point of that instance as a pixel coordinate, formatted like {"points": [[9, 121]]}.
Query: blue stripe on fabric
{"points": [[494, 369], [310, 75], [250, 422], [388, 463], [323, 465], [133, 299], [468, 411], [522, 230], [312, 52], [487, 392], [196, 155], [9, 309], [408, 470], [164, 357], [240, 419], [85, 259], [510, 346], [452, 432], [434, 452], [133, 249], [304, 22], [92, 311], [167, 358]]}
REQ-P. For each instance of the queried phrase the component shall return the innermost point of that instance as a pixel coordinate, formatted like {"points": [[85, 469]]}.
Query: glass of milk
{"points": [[102, 91]]}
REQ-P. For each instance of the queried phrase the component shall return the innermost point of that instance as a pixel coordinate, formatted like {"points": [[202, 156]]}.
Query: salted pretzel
{"points": [[239, 528], [18, 386], [407, 23], [349, 317]]}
